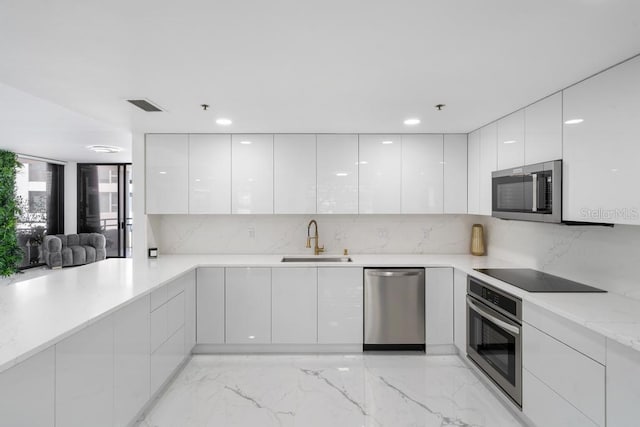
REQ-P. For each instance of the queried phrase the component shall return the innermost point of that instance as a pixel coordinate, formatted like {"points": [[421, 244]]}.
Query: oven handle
{"points": [[513, 329]]}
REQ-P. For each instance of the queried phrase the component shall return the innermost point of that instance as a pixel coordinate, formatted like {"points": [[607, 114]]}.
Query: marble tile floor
{"points": [[327, 390]]}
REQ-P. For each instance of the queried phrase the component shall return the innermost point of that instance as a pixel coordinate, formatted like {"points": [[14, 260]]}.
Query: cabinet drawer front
{"points": [[578, 337], [166, 359], [546, 408], [158, 297], [159, 327], [175, 313], [577, 378], [176, 286]]}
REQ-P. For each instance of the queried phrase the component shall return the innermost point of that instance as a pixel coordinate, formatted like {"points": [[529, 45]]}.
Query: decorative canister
{"points": [[477, 240]]}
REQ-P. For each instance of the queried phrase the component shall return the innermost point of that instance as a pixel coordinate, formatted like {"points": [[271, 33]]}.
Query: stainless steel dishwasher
{"points": [[394, 309]]}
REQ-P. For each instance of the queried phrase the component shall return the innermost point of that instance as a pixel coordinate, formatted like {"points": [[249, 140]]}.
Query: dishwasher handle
{"points": [[394, 273]]}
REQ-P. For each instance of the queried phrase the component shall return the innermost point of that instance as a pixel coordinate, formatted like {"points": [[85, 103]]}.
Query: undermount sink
{"points": [[316, 259]]}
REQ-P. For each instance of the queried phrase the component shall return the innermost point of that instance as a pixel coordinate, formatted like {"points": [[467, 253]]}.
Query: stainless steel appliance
{"points": [[394, 309], [529, 193], [494, 341]]}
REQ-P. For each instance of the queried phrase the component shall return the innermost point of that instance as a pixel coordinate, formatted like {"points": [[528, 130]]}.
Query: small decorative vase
{"points": [[477, 240]]}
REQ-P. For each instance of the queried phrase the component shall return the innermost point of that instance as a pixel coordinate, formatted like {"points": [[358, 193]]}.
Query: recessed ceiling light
{"points": [[223, 122], [245, 142], [162, 172], [412, 122], [341, 174], [573, 121], [104, 148], [387, 142], [511, 141], [364, 162]]}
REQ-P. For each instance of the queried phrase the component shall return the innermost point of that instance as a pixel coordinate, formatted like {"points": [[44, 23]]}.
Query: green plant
{"points": [[10, 252]]}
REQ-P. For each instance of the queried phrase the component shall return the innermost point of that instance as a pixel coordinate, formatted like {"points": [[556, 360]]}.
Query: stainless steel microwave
{"points": [[528, 193]]}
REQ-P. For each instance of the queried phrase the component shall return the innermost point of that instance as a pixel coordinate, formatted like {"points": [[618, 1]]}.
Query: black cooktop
{"points": [[536, 281]]}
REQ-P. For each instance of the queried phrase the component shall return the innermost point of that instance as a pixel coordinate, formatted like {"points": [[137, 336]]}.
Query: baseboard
{"points": [[276, 348]]}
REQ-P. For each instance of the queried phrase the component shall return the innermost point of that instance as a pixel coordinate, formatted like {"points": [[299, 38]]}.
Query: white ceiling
{"points": [[308, 66]]}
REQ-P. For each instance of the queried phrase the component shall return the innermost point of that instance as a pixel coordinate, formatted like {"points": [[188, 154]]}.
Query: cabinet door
{"points": [[84, 377], [132, 362], [439, 306], [473, 171], [337, 174], [294, 174], [600, 154], [380, 172], [455, 174], [210, 174], [189, 311], [167, 176], [210, 309], [422, 173], [460, 311], [252, 174], [511, 140], [340, 305], [27, 392], [623, 388], [166, 359], [294, 314], [488, 164], [248, 305], [543, 130]]}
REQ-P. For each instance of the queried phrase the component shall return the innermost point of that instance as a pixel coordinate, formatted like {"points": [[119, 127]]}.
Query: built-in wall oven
{"points": [[529, 193], [494, 342]]}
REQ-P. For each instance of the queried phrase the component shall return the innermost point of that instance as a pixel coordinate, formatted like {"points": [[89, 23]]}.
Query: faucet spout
{"points": [[316, 249]]}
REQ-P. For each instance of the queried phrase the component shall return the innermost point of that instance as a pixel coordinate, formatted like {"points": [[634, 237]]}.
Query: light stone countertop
{"points": [[38, 313]]}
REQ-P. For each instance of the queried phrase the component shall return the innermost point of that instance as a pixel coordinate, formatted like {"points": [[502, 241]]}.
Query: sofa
{"points": [[63, 250]]}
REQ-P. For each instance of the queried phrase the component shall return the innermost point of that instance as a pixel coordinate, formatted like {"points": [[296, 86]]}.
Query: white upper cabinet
{"points": [[473, 173], [380, 174], [167, 176], [511, 140], [455, 174], [252, 174], [337, 174], [422, 173], [543, 130], [210, 174], [601, 147], [294, 174], [488, 164]]}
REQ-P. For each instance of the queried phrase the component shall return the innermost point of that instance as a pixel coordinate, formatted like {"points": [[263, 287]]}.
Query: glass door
{"points": [[104, 205]]}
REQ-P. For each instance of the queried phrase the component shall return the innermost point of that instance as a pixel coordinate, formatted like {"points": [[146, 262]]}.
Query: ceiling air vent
{"points": [[145, 105]]}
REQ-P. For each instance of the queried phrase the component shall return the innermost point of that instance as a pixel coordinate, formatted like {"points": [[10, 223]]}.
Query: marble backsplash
{"points": [[286, 234], [605, 257]]}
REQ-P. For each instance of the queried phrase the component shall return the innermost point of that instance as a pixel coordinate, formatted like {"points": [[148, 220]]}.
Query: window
{"points": [[40, 191]]}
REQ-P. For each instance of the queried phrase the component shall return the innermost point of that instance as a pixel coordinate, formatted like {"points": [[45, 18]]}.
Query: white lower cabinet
{"points": [[564, 367], [546, 408], [439, 306], [623, 385], [294, 305], [27, 392], [131, 360], [168, 329], [248, 305], [210, 305], [85, 377], [340, 305], [460, 311], [189, 312], [166, 359]]}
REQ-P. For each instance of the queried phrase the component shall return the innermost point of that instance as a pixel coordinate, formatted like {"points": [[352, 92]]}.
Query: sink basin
{"points": [[316, 259]]}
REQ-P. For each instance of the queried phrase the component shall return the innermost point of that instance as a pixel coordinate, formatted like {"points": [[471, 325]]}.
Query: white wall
{"points": [[604, 257], [287, 233]]}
